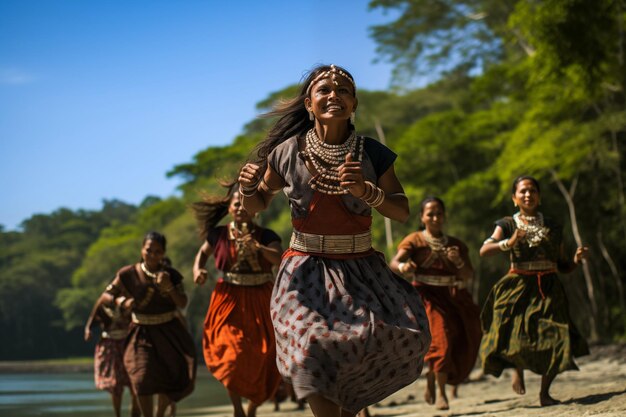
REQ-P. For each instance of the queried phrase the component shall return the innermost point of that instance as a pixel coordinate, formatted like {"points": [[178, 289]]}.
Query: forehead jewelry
{"points": [[333, 73]]}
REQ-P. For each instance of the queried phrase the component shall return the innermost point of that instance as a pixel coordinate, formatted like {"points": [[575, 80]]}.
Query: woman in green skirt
{"points": [[525, 319]]}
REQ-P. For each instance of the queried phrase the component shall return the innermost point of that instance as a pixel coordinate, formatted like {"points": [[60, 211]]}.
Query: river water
{"points": [[74, 395]]}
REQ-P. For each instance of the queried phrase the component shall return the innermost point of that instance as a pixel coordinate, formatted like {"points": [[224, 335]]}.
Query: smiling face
{"points": [[526, 196], [236, 210], [331, 98], [433, 217], [152, 254]]}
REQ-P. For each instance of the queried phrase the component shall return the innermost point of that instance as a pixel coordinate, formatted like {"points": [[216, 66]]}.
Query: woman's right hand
{"points": [[408, 268], [200, 276], [250, 175]]}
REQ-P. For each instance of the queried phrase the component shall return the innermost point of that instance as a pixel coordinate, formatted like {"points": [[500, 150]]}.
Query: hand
{"points": [[408, 267], [581, 253], [250, 175], [252, 244], [87, 334], [163, 279], [453, 254], [351, 176], [200, 276]]}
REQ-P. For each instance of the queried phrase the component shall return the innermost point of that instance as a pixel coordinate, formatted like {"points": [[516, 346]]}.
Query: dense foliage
{"points": [[524, 87]]}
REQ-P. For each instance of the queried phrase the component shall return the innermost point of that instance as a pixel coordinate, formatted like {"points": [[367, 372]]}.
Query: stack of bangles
{"points": [[373, 195], [503, 244], [248, 191]]}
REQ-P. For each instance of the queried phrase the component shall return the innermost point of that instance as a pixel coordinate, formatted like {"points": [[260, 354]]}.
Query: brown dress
{"points": [[453, 317], [109, 372], [160, 358], [238, 344], [347, 328]]}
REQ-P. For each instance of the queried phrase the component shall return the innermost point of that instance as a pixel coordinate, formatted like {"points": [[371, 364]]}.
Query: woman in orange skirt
{"points": [[238, 344], [439, 267]]}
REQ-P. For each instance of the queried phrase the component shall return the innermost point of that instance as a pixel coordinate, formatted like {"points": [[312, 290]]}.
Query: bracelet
{"points": [[375, 197], [243, 191], [489, 240], [504, 245], [265, 187], [122, 301], [460, 265]]}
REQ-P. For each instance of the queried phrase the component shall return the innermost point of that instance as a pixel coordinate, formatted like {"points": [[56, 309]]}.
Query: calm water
{"points": [[73, 395]]}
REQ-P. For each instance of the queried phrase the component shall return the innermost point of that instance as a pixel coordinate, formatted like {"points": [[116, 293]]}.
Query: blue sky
{"points": [[99, 99]]}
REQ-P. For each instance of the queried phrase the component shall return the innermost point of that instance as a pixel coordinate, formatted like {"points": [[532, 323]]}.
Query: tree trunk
{"points": [[614, 272], [567, 195], [388, 231]]}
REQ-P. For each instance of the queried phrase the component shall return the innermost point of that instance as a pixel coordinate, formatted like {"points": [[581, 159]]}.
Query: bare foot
{"points": [[429, 394], [455, 391], [442, 403], [518, 382], [546, 400]]}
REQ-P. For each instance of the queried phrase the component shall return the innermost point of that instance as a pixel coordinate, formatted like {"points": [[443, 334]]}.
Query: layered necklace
{"points": [[437, 244], [533, 226], [327, 158]]}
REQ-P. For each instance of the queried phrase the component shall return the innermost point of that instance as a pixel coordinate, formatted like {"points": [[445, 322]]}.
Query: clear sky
{"points": [[99, 99]]}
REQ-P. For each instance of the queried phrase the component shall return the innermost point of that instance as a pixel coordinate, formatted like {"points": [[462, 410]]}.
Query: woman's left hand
{"points": [[454, 255], [163, 280], [351, 176], [251, 242], [581, 253]]}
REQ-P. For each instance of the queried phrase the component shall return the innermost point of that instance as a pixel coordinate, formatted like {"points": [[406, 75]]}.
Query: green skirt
{"points": [[528, 327]]}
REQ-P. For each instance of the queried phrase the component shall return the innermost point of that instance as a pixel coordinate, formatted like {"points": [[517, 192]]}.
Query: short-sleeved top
{"points": [[427, 262], [287, 163], [148, 299], [547, 250], [225, 251]]}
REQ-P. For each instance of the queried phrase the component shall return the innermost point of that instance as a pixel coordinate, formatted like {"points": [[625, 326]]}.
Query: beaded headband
{"points": [[333, 72]]}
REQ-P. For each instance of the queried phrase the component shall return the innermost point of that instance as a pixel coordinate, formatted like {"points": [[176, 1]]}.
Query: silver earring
{"points": [[311, 116], [352, 117]]}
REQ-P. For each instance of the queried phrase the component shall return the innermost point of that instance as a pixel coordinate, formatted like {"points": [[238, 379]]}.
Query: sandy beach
{"points": [[598, 389]]}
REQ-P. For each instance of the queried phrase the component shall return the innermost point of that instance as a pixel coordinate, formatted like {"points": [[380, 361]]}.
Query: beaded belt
{"points": [[332, 244], [115, 334], [153, 318], [247, 279], [534, 266], [437, 280]]}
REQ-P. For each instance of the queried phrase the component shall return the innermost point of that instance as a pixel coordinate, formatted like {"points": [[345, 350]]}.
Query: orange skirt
{"points": [[454, 322], [238, 344]]}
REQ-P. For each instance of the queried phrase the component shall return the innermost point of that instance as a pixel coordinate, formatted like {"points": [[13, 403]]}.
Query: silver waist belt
{"points": [[247, 279], [331, 244], [437, 280], [534, 266]]}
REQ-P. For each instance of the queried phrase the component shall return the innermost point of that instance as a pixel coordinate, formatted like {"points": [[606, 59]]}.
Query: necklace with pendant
{"points": [[533, 226]]}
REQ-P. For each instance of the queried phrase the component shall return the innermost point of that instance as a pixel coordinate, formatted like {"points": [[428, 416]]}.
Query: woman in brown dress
{"points": [[238, 344], [439, 267], [160, 356], [109, 372], [349, 332]]}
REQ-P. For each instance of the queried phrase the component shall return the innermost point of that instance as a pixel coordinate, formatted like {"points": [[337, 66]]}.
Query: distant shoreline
{"points": [[47, 366]]}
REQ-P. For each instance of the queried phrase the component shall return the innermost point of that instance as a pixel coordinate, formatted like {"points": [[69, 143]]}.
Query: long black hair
{"points": [[212, 209], [522, 178], [293, 117]]}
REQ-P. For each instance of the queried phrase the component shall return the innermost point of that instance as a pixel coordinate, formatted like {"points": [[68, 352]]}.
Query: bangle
{"points": [[247, 192], [375, 196], [504, 245], [460, 265], [265, 187], [489, 240]]}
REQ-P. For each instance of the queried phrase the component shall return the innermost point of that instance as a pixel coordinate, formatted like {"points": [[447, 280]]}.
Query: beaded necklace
{"points": [[327, 158], [437, 244], [533, 226], [149, 274]]}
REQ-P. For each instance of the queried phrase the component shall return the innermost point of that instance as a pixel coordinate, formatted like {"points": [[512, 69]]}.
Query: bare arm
{"points": [[200, 273], [395, 205], [256, 194], [402, 263]]}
